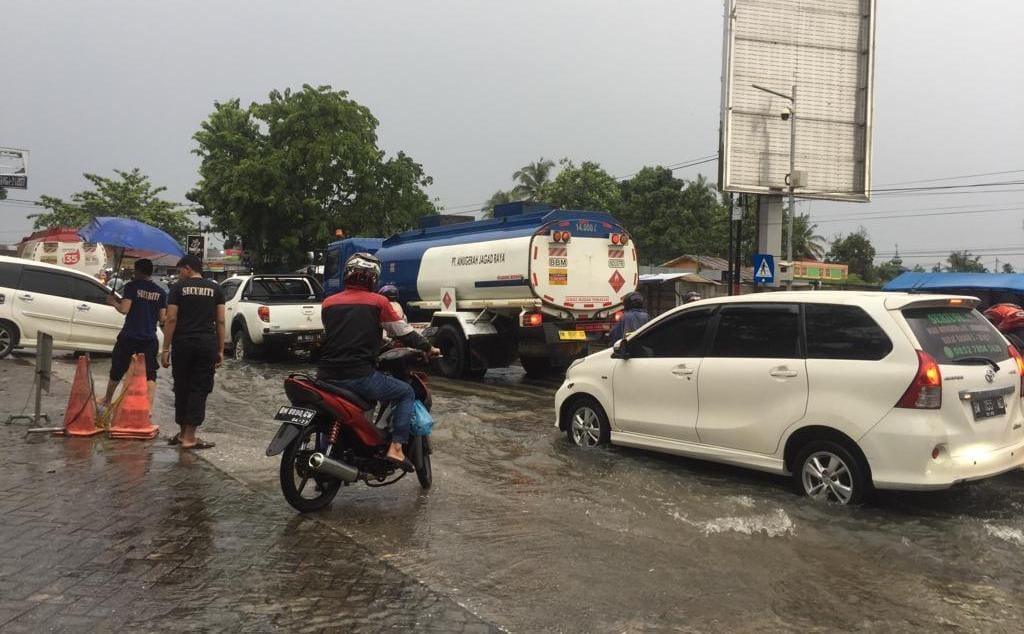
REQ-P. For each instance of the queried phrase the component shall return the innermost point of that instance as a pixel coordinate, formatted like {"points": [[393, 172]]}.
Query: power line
{"points": [[919, 215], [952, 178]]}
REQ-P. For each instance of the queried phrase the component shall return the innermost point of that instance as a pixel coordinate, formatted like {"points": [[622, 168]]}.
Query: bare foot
{"points": [[395, 452]]}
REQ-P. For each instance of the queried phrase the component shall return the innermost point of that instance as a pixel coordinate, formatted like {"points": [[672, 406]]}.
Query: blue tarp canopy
{"points": [[130, 234], [922, 282]]}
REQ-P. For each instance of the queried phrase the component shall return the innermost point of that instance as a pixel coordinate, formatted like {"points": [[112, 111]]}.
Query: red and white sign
{"points": [[617, 281], [71, 258]]}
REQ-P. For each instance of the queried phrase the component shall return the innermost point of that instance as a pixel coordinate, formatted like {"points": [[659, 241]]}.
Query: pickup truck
{"points": [[271, 314]]}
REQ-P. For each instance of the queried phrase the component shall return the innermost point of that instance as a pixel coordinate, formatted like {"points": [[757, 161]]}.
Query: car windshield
{"points": [[956, 335]]}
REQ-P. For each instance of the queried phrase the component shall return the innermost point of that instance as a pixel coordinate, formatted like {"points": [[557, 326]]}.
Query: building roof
{"points": [[702, 261], [692, 278]]}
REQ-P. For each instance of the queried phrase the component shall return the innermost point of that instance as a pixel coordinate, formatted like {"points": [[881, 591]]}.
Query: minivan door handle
{"points": [[83, 307], [782, 372], [682, 370], [25, 298]]}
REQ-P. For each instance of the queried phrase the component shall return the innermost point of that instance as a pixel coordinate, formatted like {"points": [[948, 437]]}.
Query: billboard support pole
{"points": [[791, 178]]}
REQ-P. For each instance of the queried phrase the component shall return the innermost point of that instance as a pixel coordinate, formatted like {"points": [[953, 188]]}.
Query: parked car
{"points": [[269, 314], [68, 304], [844, 391]]}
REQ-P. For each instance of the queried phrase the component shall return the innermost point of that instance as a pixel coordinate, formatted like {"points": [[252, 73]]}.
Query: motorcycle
{"points": [[330, 436]]}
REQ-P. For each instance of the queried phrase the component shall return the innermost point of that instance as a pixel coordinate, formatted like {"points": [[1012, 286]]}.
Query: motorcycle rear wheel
{"points": [[419, 450], [297, 481]]}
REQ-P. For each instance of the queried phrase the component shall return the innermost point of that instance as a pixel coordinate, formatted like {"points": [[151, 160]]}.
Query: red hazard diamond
{"points": [[616, 281], [446, 300]]}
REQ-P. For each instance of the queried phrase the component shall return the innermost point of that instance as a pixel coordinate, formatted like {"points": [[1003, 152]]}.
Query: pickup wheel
{"points": [[243, 347]]}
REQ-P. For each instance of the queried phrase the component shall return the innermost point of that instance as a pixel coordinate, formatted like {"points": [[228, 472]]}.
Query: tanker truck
{"points": [[539, 284]]}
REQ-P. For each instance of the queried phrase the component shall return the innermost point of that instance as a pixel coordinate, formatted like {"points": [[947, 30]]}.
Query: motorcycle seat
{"points": [[348, 395]]}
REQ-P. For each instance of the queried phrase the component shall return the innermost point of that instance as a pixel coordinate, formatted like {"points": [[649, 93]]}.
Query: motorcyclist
{"points": [[1009, 320], [391, 292], [692, 296], [634, 315], [353, 321]]}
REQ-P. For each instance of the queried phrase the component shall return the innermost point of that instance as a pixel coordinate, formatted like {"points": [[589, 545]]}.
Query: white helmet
{"points": [[363, 270]]}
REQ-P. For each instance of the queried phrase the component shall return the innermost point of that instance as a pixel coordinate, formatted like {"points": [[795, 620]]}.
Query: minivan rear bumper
{"points": [[899, 452]]}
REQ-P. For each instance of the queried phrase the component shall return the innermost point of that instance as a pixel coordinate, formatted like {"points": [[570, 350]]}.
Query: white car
{"points": [[845, 391], [68, 304], [268, 314]]}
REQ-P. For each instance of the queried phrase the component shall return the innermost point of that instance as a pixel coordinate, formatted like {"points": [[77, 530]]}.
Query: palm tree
{"points": [[806, 243], [532, 178]]}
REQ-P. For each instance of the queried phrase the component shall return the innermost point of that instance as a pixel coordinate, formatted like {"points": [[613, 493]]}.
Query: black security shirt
{"points": [[197, 300]]}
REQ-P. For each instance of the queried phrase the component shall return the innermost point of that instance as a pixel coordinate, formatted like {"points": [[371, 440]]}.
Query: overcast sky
{"points": [[473, 89]]}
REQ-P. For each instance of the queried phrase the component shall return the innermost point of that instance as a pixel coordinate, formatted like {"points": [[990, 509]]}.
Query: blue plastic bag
{"points": [[422, 421]]}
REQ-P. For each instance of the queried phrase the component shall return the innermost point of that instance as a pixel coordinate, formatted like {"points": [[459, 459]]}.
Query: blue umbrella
{"points": [[130, 234], [125, 233]]}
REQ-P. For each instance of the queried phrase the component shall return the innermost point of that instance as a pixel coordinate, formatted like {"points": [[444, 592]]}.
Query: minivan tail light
{"points": [[264, 313], [925, 392], [1020, 367]]}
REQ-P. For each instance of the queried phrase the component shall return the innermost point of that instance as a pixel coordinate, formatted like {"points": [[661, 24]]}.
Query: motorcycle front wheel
{"points": [[303, 489], [419, 455]]}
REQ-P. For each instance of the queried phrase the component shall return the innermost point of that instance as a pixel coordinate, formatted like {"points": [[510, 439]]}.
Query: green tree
{"points": [[964, 262], [806, 243], [531, 179], [889, 269], [918, 269], [856, 251], [586, 186], [283, 174], [1008, 268], [499, 197], [128, 195]]}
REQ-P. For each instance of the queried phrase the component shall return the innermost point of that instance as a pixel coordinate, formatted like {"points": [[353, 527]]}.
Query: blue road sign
{"points": [[764, 268]]}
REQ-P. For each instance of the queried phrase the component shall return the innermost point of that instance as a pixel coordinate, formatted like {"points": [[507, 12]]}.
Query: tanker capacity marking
{"points": [[558, 277], [474, 260]]}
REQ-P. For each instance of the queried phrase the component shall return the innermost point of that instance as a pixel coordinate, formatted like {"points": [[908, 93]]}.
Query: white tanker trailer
{"points": [[533, 283]]}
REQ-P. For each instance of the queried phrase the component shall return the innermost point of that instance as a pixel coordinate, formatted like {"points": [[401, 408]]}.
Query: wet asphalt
{"points": [[532, 534]]}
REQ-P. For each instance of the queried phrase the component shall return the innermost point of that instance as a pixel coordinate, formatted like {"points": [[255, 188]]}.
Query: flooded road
{"points": [[535, 535]]}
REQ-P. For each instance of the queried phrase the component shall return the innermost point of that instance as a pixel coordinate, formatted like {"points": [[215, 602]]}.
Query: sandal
{"points": [[175, 439], [200, 444], [404, 465]]}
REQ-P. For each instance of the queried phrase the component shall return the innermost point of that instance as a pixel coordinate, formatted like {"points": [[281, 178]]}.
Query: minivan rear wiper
{"points": [[985, 360]]}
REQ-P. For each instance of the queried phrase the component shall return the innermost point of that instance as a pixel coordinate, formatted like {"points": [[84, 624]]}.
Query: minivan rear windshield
{"points": [[956, 335]]}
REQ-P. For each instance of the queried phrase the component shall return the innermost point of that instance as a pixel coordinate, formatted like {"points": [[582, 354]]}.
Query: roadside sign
{"points": [[764, 268], [13, 168], [196, 245]]}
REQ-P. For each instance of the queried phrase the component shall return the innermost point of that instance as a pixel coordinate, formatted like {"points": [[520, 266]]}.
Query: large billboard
{"points": [[823, 48], [13, 168]]}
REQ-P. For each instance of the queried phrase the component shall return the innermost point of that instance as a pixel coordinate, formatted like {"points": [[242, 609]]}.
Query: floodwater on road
{"points": [[533, 534]]}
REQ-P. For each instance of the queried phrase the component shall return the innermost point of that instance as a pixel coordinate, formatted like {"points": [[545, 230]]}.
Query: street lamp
{"points": [[791, 177]]}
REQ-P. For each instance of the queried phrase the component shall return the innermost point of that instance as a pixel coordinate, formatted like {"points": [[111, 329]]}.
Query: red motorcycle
{"points": [[1009, 320], [330, 436]]}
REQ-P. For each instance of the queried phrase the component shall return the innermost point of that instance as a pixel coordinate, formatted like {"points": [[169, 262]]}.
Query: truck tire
{"points": [[537, 367], [454, 361]]}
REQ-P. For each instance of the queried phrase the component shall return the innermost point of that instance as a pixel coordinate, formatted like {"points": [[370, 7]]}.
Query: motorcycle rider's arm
{"points": [[398, 328]]}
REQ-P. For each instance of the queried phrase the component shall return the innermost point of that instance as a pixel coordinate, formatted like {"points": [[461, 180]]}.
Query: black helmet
{"points": [[390, 291], [633, 300], [362, 270]]}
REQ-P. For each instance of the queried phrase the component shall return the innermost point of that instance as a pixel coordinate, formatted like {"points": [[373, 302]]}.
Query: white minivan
{"points": [[845, 391], [69, 305]]}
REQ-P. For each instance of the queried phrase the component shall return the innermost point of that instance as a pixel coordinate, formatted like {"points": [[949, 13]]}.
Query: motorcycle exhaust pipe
{"points": [[322, 464]]}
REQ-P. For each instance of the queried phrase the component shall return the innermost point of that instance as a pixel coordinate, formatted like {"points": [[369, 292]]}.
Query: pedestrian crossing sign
{"points": [[764, 268]]}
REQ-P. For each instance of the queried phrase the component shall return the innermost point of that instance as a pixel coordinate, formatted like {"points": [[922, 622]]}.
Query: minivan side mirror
{"points": [[620, 350]]}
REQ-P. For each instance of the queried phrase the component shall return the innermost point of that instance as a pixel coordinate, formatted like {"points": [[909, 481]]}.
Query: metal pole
{"points": [[732, 210], [792, 199]]}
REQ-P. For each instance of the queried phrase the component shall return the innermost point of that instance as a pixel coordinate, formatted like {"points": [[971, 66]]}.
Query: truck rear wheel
{"points": [[454, 359]]}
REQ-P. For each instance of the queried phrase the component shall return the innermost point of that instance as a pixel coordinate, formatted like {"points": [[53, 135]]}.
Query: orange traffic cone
{"points": [[80, 415], [132, 418]]}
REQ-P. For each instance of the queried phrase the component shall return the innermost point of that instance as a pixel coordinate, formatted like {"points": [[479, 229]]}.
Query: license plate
{"points": [[572, 335], [297, 415], [988, 407], [312, 337]]}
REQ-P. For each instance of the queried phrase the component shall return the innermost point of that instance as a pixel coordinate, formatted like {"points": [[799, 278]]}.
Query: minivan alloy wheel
{"points": [[826, 477], [586, 427], [6, 340]]}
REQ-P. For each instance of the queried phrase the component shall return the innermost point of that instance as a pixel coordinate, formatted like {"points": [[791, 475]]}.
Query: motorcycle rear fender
{"points": [[286, 433]]}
